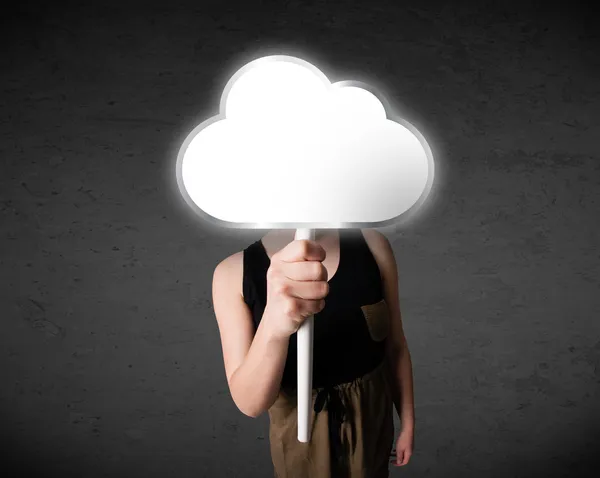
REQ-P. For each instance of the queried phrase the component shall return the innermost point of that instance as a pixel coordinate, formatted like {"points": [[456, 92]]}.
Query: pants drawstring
{"points": [[331, 399]]}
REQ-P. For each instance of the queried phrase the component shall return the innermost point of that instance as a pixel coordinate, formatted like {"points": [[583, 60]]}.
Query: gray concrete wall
{"points": [[110, 356]]}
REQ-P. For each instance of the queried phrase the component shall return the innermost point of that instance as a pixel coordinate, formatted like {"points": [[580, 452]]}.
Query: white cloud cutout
{"points": [[291, 149]]}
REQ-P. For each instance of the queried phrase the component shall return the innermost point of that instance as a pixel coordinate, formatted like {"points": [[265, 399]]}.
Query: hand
{"points": [[404, 447], [296, 286]]}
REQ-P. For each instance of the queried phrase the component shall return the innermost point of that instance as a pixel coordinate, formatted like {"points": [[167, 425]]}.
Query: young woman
{"points": [[348, 280]]}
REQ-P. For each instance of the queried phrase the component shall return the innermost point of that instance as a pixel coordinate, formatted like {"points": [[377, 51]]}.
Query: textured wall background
{"points": [[110, 359]]}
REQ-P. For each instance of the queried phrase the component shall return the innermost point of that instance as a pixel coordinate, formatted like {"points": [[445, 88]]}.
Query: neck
{"points": [[285, 236], [320, 234]]}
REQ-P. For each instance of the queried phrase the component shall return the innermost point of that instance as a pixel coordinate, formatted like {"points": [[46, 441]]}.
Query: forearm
{"points": [[402, 382], [255, 384]]}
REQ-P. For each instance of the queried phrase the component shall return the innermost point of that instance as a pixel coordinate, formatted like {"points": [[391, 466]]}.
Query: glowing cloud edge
{"points": [[405, 216]]}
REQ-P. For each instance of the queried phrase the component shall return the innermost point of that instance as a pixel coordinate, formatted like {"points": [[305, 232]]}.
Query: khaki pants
{"points": [[366, 435]]}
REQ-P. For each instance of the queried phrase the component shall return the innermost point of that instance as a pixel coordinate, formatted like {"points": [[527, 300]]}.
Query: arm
{"points": [[253, 362], [397, 352]]}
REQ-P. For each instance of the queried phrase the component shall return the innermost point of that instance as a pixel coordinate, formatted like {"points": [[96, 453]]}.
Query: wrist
{"points": [[407, 425], [271, 332]]}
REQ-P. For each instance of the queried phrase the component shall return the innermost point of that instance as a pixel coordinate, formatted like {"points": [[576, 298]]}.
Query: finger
{"points": [[309, 290], [405, 458], [305, 271], [302, 250]]}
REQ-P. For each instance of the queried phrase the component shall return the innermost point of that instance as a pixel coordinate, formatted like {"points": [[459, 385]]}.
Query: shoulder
{"points": [[382, 251], [230, 271], [375, 238], [377, 242]]}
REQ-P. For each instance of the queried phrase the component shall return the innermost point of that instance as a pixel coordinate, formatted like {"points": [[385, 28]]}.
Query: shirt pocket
{"points": [[377, 316]]}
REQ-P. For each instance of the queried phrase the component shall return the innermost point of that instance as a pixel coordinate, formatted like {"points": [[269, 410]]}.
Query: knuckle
{"points": [[282, 288], [316, 270], [317, 306], [322, 252], [323, 272]]}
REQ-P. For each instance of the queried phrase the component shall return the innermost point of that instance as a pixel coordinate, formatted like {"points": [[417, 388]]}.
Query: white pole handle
{"points": [[305, 362]]}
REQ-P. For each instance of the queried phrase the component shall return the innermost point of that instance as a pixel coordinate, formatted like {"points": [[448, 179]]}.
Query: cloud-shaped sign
{"points": [[291, 149]]}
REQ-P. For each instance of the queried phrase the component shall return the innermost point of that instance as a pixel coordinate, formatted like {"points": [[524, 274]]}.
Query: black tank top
{"points": [[343, 349]]}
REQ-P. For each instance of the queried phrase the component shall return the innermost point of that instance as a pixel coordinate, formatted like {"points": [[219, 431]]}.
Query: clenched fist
{"points": [[296, 286]]}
